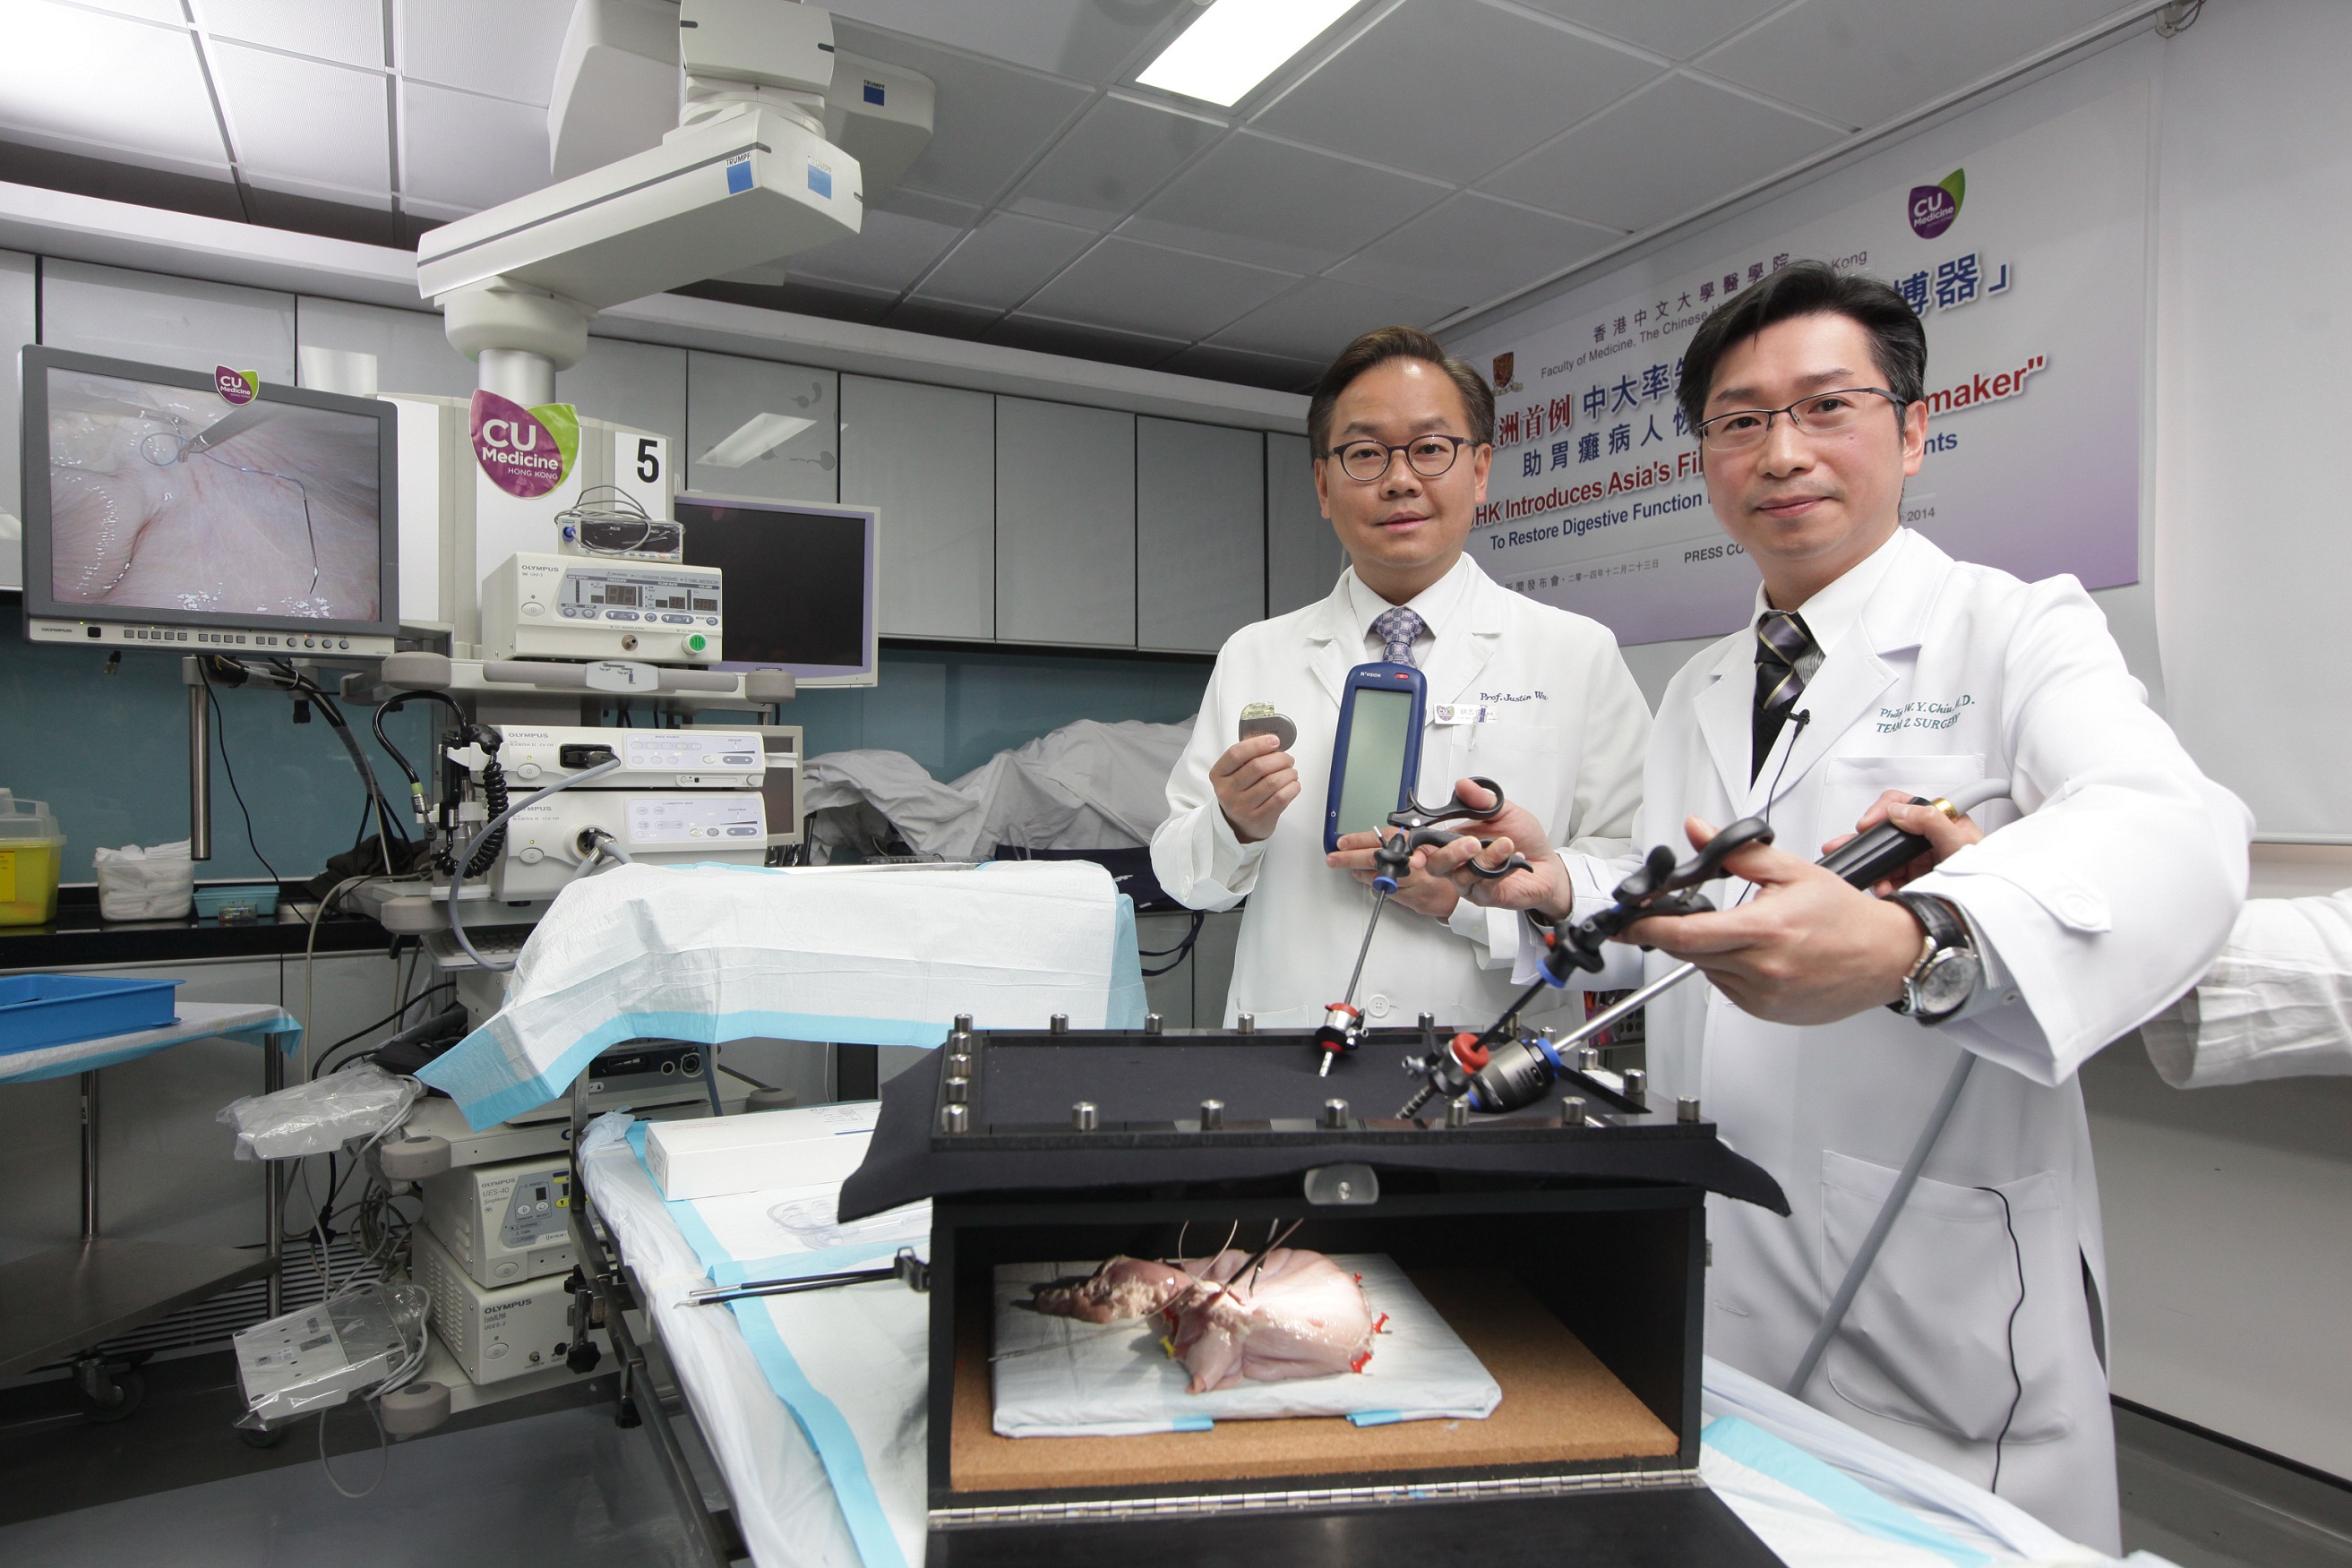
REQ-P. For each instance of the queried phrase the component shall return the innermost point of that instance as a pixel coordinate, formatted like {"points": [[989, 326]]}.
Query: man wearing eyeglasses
{"points": [[1872, 669], [1531, 696]]}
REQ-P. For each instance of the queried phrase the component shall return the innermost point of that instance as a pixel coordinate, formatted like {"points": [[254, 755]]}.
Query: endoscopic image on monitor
{"points": [[168, 498]]}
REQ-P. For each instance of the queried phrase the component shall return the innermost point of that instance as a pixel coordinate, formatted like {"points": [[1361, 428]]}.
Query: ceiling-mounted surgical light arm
{"points": [[746, 177]]}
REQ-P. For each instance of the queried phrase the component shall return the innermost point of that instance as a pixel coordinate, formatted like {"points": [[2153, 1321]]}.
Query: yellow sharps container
{"points": [[31, 848]]}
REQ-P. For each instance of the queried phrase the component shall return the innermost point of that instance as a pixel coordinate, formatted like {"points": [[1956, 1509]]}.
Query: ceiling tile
{"points": [[1090, 40], [1004, 261], [147, 10], [1470, 248], [1263, 201], [888, 254], [153, 104], [444, 169], [506, 49], [1319, 318], [931, 209], [991, 120], [1081, 343], [1213, 363], [1137, 287], [1678, 28], [1112, 159], [1675, 147], [349, 32], [1489, 85], [303, 125], [1864, 61]]}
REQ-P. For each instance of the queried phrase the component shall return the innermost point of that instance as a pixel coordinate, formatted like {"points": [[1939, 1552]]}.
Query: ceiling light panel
{"points": [[1236, 44], [754, 439]]}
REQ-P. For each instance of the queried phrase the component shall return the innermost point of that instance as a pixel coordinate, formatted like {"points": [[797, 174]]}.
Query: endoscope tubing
{"points": [[457, 874]]}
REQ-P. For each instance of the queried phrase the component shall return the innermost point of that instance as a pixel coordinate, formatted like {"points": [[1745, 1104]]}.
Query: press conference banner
{"points": [[2027, 262]]}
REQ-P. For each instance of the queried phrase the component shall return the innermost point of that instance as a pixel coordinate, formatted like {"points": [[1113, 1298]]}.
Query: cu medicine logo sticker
{"points": [[1933, 207], [526, 451], [235, 386]]}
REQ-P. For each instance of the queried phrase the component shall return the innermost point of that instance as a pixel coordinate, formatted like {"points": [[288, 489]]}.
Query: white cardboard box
{"points": [[714, 1156]]}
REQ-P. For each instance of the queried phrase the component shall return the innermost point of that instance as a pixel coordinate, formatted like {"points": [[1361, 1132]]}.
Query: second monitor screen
{"points": [[796, 581]]}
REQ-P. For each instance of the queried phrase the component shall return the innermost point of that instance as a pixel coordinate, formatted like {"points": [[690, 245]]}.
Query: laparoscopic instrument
{"points": [[1502, 1070], [1411, 827]]}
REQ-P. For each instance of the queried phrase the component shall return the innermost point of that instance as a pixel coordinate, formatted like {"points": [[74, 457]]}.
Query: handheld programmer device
{"points": [[1376, 756]]}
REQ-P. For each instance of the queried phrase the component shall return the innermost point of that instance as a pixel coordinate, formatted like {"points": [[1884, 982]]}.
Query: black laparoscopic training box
{"points": [[1568, 1252]]}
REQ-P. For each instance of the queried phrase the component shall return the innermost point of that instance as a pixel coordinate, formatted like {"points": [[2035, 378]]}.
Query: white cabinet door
{"points": [[761, 429], [18, 326], [642, 385], [1303, 558], [173, 322], [1064, 524], [1200, 534], [925, 458], [412, 351]]}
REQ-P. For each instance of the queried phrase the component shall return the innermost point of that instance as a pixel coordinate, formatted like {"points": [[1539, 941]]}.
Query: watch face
{"points": [[1946, 982]]}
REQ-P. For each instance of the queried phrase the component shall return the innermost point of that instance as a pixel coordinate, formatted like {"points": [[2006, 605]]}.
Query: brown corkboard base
{"points": [[1559, 1405]]}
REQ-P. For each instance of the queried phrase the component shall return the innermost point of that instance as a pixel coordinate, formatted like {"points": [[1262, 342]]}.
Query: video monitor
{"points": [[800, 584], [170, 505]]}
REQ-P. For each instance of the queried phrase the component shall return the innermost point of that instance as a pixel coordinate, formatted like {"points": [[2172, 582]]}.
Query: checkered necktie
{"points": [[1396, 630], [1780, 640]]}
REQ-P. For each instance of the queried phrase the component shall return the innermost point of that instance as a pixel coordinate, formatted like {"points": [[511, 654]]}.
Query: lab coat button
{"points": [[1377, 1005]]}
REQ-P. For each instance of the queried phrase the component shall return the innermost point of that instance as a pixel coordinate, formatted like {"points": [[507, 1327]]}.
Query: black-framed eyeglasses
{"points": [[1823, 414], [1430, 456]]}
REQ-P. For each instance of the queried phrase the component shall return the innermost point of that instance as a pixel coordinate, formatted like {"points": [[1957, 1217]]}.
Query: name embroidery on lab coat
{"points": [[1922, 715]]}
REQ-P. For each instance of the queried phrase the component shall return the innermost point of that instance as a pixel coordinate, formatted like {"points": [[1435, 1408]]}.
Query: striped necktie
{"points": [[1781, 641], [1396, 629]]}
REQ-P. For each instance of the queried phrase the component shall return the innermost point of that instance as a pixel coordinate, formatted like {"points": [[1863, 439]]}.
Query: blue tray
{"points": [[38, 1011]]}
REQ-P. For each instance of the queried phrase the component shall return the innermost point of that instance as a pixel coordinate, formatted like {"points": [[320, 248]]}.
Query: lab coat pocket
{"points": [[1851, 785], [1961, 1325]]}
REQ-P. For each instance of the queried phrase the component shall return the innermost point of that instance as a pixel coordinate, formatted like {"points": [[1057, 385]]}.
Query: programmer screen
{"points": [[799, 585], [1377, 737], [169, 499]]}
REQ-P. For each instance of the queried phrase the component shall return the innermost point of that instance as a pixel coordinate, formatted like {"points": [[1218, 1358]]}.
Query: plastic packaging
{"points": [[319, 1356], [157, 883], [364, 1101], [31, 848]]}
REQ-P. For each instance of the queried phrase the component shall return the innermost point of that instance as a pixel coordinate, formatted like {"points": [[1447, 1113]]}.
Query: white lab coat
{"points": [[1564, 735], [2277, 1004], [2106, 889]]}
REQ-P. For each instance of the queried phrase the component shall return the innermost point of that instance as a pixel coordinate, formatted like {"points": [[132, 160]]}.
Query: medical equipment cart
{"points": [[63, 1303]]}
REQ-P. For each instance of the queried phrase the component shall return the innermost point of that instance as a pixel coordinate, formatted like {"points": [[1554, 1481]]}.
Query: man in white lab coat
{"points": [[1873, 663], [1534, 697]]}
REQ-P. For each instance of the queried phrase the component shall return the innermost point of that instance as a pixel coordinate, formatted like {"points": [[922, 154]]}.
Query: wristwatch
{"points": [[1949, 969]]}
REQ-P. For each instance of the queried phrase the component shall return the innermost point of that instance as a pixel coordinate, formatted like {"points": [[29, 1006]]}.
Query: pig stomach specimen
{"points": [[278, 517]]}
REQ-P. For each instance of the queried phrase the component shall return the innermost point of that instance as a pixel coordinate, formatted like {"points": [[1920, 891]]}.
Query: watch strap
{"points": [[1939, 918]]}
